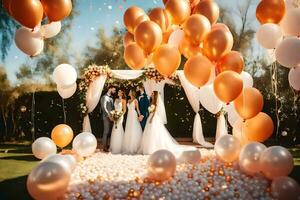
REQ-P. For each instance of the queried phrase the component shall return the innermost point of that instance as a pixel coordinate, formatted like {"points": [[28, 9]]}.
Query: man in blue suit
{"points": [[144, 103]]}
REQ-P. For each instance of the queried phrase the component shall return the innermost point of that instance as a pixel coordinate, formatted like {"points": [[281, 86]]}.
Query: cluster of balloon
{"points": [[189, 28], [30, 14], [276, 163], [280, 31], [66, 85], [50, 178]]}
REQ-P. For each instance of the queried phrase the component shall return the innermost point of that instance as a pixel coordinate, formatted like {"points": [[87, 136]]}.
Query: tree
{"points": [[108, 50], [5, 90], [241, 25]]}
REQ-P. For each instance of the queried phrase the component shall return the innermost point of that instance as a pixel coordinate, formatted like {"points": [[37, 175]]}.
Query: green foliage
{"points": [[108, 50], [7, 30]]}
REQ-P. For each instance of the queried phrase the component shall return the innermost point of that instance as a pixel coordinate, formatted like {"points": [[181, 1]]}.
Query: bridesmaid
{"points": [[117, 130]]}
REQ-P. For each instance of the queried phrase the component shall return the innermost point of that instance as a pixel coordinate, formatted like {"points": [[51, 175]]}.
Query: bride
{"points": [[133, 129], [117, 130], [156, 136]]}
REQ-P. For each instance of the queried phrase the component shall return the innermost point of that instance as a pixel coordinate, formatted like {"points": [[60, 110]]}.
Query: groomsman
{"points": [[144, 103], [107, 105]]}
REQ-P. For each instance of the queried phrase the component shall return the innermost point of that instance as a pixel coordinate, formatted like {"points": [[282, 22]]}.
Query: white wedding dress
{"points": [[133, 131], [117, 131], [157, 137]]}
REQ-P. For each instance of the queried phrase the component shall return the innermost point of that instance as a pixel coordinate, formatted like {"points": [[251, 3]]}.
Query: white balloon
{"points": [[28, 41], [71, 160], [237, 130], [233, 116], [294, 78], [176, 38], [43, 147], [269, 35], [66, 92], [287, 52], [60, 160], [64, 75], [247, 79], [290, 22], [85, 144], [249, 157], [51, 30], [212, 76], [209, 100]]}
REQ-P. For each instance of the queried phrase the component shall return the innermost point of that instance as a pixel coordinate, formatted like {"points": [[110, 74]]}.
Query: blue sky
{"points": [[95, 14]]}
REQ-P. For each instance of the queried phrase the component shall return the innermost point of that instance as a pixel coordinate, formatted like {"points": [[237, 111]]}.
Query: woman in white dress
{"points": [[133, 130], [156, 136], [117, 130]]}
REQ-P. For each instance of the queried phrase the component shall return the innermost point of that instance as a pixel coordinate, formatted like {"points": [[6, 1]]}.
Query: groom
{"points": [[144, 103], [107, 105]]}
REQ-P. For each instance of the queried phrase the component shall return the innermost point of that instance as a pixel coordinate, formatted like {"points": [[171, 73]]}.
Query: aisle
{"points": [[107, 176]]}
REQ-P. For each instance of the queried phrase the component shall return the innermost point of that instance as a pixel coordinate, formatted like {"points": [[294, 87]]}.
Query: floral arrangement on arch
{"points": [[153, 74], [90, 74]]}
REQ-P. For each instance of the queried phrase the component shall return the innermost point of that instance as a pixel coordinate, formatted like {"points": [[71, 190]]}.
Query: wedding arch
{"points": [[95, 77]]}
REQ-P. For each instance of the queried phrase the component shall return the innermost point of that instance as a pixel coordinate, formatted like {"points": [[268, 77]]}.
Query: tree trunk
{"points": [[5, 123], [32, 117]]}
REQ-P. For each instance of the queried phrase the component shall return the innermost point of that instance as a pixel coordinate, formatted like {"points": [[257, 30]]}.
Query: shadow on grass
{"points": [[14, 189], [20, 157]]}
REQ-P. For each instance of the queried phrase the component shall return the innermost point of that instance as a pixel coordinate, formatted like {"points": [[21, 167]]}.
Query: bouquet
{"points": [[151, 108], [116, 115]]}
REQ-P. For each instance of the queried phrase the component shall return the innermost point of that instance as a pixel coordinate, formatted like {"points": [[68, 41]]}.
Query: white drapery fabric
{"points": [[92, 98], [221, 126], [193, 96], [127, 74]]}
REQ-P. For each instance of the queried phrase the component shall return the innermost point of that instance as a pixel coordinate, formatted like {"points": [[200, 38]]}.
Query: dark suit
{"points": [[144, 103], [107, 105]]}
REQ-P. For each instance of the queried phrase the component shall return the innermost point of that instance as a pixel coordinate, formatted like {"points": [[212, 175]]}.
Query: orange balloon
{"points": [[166, 59], [193, 3], [228, 86], [128, 38], [188, 49], [131, 18], [232, 61], [270, 11], [209, 9], [179, 10], [29, 13], [197, 70], [196, 27], [62, 135], [6, 6], [217, 43], [258, 128], [141, 19], [160, 16], [148, 36], [56, 10], [249, 103], [220, 26], [134, 56]]}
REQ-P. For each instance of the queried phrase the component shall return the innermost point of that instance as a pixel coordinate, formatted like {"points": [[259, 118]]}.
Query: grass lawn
{"points": [[16, 161]]}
